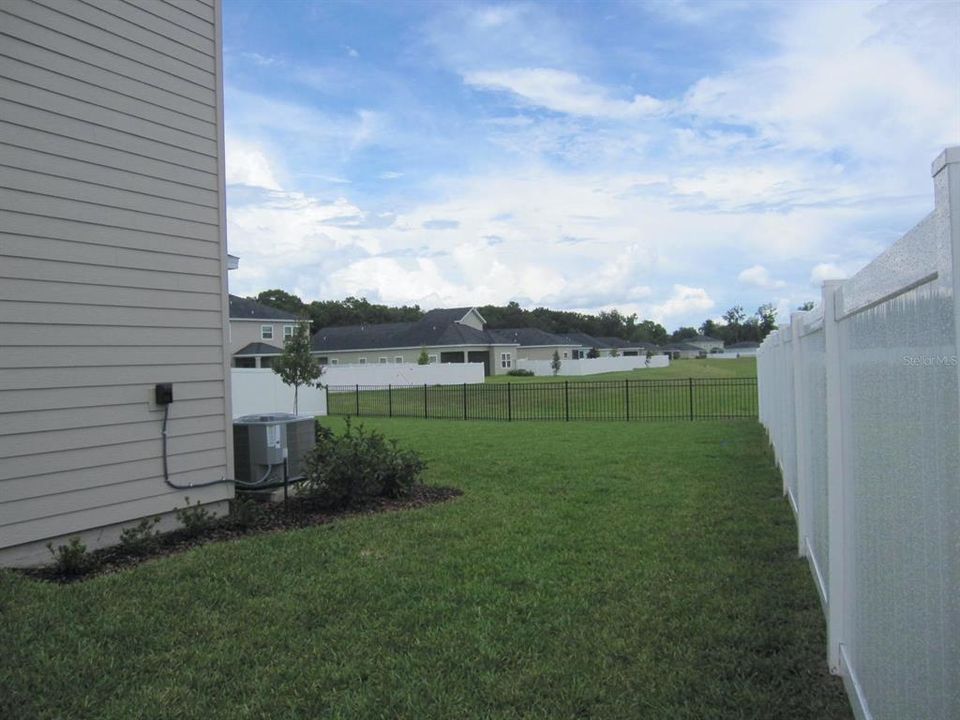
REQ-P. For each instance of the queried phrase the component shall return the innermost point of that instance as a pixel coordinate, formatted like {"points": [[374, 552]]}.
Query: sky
{"points": [[665, 158]]}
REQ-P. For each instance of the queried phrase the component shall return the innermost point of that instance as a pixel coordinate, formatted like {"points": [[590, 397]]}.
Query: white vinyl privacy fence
{"points": [[860, 399]]}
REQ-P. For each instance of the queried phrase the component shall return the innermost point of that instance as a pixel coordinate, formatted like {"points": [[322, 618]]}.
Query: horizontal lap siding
{"points": [[110, 262]]}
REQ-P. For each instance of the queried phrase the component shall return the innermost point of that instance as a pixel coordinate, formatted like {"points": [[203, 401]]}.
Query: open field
{"points": [[603, 571], [687, 390]]}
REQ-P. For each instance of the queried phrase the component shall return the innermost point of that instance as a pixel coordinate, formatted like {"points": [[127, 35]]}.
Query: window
{"points": [[324, 360], [334, 361], [363, 361], [383, 361], [433, 358], [398, 359], [505, 360], [244, 362], [288, 331], [565, 354], [266, 332]]}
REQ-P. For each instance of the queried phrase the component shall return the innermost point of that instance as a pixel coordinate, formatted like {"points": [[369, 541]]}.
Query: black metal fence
{"points": [[680, 399]]}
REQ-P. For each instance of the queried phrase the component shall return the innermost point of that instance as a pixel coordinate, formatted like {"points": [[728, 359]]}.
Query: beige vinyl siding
{"points": [[112, 263], [243, 332]]}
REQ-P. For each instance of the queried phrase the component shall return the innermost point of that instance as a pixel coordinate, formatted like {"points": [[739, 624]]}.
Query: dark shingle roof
{"points": [[259, 348], [584, 340], [621, 343], [706, 338], [529, 337], [247, 309], [436, 328], [745, 345]]}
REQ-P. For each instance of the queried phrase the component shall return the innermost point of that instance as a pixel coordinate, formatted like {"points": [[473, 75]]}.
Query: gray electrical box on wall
{"points": [[262, 442]]}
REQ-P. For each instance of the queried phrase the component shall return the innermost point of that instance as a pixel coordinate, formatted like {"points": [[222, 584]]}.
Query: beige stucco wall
{"points": [[112, 265]]}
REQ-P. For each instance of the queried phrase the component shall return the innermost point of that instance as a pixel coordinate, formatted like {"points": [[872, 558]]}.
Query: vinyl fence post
{"points": [[837, 602], [358, 400], [690, 385], [389, 400], [566, 400], [804, 524]]}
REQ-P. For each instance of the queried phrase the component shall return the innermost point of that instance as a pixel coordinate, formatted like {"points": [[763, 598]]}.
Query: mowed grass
{"points": [[590, 571]]}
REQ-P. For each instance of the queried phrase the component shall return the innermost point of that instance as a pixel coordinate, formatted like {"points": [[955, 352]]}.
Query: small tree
{"points": [[297, 366], [555, 363], [614, 352], [593, 353], [424, 359], [646, 361]]}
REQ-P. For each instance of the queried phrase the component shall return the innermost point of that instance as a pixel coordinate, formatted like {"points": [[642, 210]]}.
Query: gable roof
{"points": [[705, 338], [745, 345], [247, 309], [436, 328], [258, 348], [530, 337]]}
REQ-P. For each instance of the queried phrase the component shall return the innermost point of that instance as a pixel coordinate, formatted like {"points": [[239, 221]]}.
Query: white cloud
{"points": [[684, 301], [564, 92], [247, 164], [759, 276], [826, 271]]}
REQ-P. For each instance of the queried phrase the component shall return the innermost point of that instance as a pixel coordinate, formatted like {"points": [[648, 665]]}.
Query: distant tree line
{"points": [[736, 325]]}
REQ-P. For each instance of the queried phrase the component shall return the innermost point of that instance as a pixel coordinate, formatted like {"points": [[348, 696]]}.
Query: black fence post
{"points": [[358, 401], [509, 405], [389, 400], [425, 401], [566, 400], [626, 396], [464, 401], [691, 398]]}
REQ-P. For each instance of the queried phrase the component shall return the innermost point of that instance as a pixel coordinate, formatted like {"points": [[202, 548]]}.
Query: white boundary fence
{"points": [[593, 366], [256, 390], [861, 400]]}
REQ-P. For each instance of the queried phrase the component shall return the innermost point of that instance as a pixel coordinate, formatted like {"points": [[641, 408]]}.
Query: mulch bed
{"points": [[269, 517]]}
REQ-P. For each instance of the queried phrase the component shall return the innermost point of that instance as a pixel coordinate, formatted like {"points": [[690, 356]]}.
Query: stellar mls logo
{"points": [[927, 361]]}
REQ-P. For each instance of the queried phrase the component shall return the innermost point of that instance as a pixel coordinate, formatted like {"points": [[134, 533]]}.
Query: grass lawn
{"points": [[590, 571]]}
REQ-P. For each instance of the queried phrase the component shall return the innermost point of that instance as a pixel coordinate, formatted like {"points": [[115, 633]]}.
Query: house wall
{"points": [[244, 332], [545, 353], [112, 266], [707, 345]]}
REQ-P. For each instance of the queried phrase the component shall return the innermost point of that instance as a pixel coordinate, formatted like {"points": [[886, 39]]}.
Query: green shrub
{"points": [[70, 559], [194, 518], [246, 513], [520, 373], [343, 469], [140, 538]]}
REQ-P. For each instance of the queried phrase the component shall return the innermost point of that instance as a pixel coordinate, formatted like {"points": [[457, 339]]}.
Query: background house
{"points": [[447, 335], [629, 348], [257, 332], [706, 343], [747, 348], [536, 344], [114, 267], [683, 351]]}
